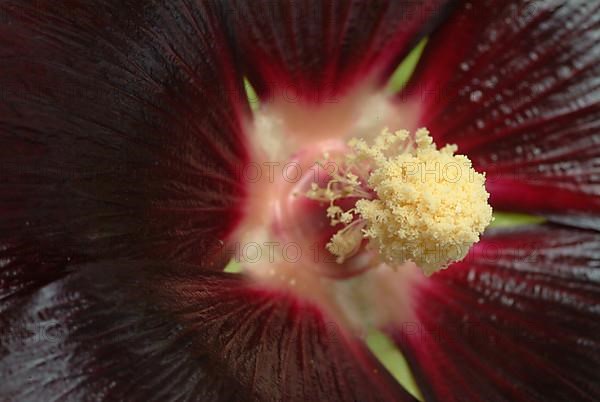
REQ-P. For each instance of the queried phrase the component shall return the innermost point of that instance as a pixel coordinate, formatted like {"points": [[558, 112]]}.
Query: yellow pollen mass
{"points": [[425, 205]]}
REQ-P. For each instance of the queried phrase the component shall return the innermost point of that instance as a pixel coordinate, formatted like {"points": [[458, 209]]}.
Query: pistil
{"points": [[414, 202]]}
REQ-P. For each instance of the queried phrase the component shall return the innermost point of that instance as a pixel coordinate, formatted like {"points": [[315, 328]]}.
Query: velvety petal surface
{"points": [[515, 85], [104, 334], [315, 50], [119, 134], [118, 138], [518, 320]]}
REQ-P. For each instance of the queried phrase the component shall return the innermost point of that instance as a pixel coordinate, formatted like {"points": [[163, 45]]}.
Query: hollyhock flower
{"points": [[134, 169]]}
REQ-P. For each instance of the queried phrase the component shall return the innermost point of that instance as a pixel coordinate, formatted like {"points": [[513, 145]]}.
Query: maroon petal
{"points": [[119, 132], [316, 50], [514, 84], [184, 336], [517, 321]]}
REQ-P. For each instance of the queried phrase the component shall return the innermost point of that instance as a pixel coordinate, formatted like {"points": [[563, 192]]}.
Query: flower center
{"points": [[411, 201], [322, 201], [326, 214]]}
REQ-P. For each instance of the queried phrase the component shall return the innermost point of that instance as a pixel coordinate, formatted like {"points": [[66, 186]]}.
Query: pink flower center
{"points": [[380, 213]]}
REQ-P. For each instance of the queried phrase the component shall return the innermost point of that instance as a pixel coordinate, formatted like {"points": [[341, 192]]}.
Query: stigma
{"points": [[414, 202]]}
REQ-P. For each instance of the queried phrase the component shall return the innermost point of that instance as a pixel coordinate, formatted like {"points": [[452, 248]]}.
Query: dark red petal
{"points": [[119, 132], [317, 50], [514, 84], [184, 336], [517, 321]]}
